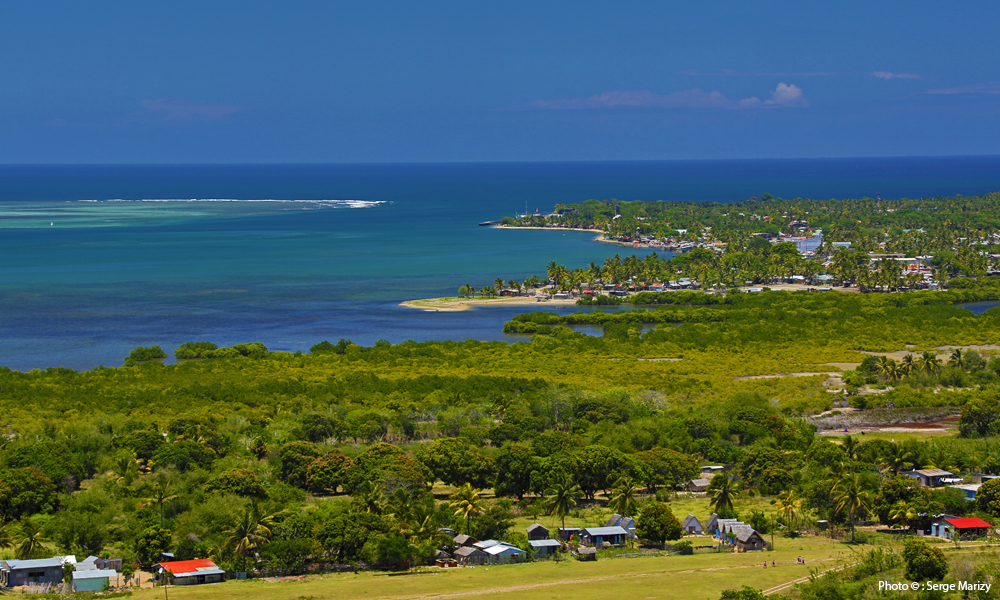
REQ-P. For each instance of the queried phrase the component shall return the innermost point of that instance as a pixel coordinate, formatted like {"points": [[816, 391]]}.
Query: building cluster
{"points": [[91, 574]]}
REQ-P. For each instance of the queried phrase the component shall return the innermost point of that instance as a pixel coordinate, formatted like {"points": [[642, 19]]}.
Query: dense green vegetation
{"points": [[912, 226], [238, 453], [734, 244]]}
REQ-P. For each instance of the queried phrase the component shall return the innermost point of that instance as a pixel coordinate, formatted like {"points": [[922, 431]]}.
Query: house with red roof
{"points": [[960, 529], [192, 572]]}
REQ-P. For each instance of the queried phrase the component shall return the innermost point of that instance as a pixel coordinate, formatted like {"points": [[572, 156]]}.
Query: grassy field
{"points": [[689, 577]]}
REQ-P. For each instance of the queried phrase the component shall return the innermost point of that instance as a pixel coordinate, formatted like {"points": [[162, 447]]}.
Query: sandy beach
{"points": [[456, 304]]}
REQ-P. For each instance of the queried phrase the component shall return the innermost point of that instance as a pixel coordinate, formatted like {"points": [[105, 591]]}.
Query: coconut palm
{"points": [[929, 362], [906, 364], [789, 506], [28, 539], [369, 497], [897, 459], [721, 492], [903, 512], [958, 358], [465, 501], [561, 497], [251, 531], [126, 468], [162, 494], [851, 495], [623, 499]]}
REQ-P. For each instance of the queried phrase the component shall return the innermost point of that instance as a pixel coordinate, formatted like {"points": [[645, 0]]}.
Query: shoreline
{"points": [[459, 304], [456, 304], [599, 238]]}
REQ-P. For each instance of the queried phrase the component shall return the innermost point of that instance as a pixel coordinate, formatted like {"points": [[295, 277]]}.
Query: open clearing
{"points": [[698, 576]]}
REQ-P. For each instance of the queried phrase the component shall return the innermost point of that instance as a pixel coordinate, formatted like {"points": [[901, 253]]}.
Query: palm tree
{"points": [[125, 468], [897, 460], [850, 446], [623, 499], [929, 362], [561, 497], [28, 539], [6, 536], [850, 494], [906, 364], [252, 530], [958, 358], [369, 497], [161, 495], [465, 501], [903, 512], [721, 492], [789, 506]]}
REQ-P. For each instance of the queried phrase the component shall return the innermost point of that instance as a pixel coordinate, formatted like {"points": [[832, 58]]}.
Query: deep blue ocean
{"points": [[81, 283]]}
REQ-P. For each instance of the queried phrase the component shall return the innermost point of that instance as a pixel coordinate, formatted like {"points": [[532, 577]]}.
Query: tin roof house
{"points": [[960, 529], [598, 536], [93, 580], [193, 572], [537, 531], [928, 477], [37, 571]]}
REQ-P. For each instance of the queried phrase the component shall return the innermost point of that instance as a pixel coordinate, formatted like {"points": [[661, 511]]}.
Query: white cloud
{"points": [[783, 95], [787, 95], [887, 75]]}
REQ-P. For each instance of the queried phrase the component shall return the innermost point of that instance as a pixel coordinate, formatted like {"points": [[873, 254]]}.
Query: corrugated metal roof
{"points": [[37, 563], [604, 531], [967, 523], [94, 574], [503, 549], [542, 543], [933, 472]]}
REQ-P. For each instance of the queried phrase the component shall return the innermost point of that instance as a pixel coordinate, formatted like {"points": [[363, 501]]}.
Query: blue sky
{"points": [[203, 82]]}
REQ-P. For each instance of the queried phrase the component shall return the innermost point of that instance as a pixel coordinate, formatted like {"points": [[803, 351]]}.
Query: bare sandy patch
{"points": [[457, 304]]}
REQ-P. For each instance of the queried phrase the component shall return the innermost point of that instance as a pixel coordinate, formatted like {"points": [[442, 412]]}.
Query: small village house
{"points": [[597, 536], [465, 540], [537, 531], [713, 523], [41, 571], [586, 553], [698, 485], [498, 552], [565, 533], [928, 477], [968, 489], [747, 539], [94, 580], [626, 523], [691, 525], [544, 548], [960, 529], [193, 572], [470, 555]]}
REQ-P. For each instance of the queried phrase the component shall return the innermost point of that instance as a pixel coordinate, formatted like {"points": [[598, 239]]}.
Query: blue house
{"points": [[969, 489], [543, 548], [597, 536]]}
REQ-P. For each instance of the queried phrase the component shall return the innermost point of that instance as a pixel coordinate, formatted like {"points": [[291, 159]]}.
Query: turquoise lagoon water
{"points": [[84, 279]]}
